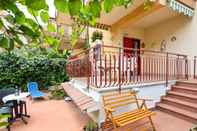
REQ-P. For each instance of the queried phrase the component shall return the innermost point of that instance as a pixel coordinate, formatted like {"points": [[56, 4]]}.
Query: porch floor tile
{"points": [[162, 122], [52, 115]]}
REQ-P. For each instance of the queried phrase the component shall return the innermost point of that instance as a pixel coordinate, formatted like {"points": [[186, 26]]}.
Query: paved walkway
{"points": [[51, 115]]}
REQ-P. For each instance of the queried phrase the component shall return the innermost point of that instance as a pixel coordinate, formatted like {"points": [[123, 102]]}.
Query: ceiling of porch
{"points": [[155, 18], [118, 12], [106, 18]]}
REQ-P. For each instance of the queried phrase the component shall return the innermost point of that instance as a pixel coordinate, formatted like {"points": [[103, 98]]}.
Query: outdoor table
{"points": [[18, 102]]}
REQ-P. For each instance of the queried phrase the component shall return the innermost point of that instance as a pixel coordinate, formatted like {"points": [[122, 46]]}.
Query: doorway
{"points": [[132, 43]]}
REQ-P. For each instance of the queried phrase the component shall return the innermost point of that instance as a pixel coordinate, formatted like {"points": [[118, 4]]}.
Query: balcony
{"points": [[186, 7], [190, 3], [108, 66]]}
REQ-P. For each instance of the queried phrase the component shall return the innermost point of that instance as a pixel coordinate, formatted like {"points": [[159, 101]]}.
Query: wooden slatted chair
{"points": [[116, 100]]}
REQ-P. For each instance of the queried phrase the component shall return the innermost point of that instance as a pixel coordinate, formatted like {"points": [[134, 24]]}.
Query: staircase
{"points": [[181, 101]]}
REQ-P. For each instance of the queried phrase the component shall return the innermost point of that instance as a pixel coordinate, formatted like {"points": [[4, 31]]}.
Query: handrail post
{"points": [[119, 70], [195, 67], [89, 70], [186, 68], [167, 68]]}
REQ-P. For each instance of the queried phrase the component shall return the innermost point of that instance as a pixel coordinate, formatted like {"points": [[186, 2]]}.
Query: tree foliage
{"points": [[16, 28], [32, 64]]}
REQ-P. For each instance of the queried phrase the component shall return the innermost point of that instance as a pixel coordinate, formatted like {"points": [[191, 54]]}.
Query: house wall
{"points": [[181, 27], [132, 32]]}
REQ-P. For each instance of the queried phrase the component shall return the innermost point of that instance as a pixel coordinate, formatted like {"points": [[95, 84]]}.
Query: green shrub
{"points": [[24, 65], [57, 92], [91, 126]]}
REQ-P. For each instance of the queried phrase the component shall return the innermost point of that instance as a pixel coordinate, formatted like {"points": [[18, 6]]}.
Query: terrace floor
{"points": [[52, 115]]}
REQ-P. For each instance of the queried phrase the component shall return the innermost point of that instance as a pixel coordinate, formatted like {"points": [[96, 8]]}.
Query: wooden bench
{"points": [[116, 100]]}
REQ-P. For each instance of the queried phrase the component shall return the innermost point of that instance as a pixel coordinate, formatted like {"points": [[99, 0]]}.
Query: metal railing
{"points": [[195, 67], [108, 66]]}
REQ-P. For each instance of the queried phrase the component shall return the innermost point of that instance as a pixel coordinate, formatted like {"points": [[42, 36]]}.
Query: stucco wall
{"points": [[130, 31], [181, 27]]}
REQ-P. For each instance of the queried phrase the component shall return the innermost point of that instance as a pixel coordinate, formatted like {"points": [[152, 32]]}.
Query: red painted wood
{"points": [[105, 70], [127, 43], [110, 70]]}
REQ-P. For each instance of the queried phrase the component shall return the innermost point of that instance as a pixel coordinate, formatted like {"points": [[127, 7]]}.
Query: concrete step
{"points": [[180, 103], [187, 83], [183, 96], [185, 89], [178, 112]]}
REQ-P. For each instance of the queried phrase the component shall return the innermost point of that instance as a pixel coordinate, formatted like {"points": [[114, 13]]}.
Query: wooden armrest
{"points": [[108, 109], [144, 102]]}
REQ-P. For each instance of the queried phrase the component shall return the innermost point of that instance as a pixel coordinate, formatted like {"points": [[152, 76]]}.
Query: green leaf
{"points": [[27, 30], [61, 5], [74, 7], [52, 41], [10, 44], [44, 16], [33, 12], [1, 24], [61, 31], [51, 27], [31, 23], [19, 17], [108, 5], [4, 42], [10, 18], [18, 40], [92, 21], [36, 4], [95, 8]]}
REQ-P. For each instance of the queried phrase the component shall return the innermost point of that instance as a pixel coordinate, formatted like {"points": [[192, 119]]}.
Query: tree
{"points": [[16, 28]]}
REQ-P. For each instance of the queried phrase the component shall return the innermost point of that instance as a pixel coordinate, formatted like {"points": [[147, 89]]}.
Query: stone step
{"points": [[185, 89], [187, 83], [185, 95], [178, 112], [180, 103]]}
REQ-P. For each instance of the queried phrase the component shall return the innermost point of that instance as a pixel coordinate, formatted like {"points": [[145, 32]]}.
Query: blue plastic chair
{"points": [[34, 91]]}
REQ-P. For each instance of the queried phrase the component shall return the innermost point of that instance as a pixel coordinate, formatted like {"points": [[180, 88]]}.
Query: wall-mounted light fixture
{"points": [[173, 38]]}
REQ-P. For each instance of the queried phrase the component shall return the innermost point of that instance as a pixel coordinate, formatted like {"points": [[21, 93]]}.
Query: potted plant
{"points": [[97, 37], [91, 126]]}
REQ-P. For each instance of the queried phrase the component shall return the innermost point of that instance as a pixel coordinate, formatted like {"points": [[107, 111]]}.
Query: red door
{"points": [[132, 44], [127, 43]]}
